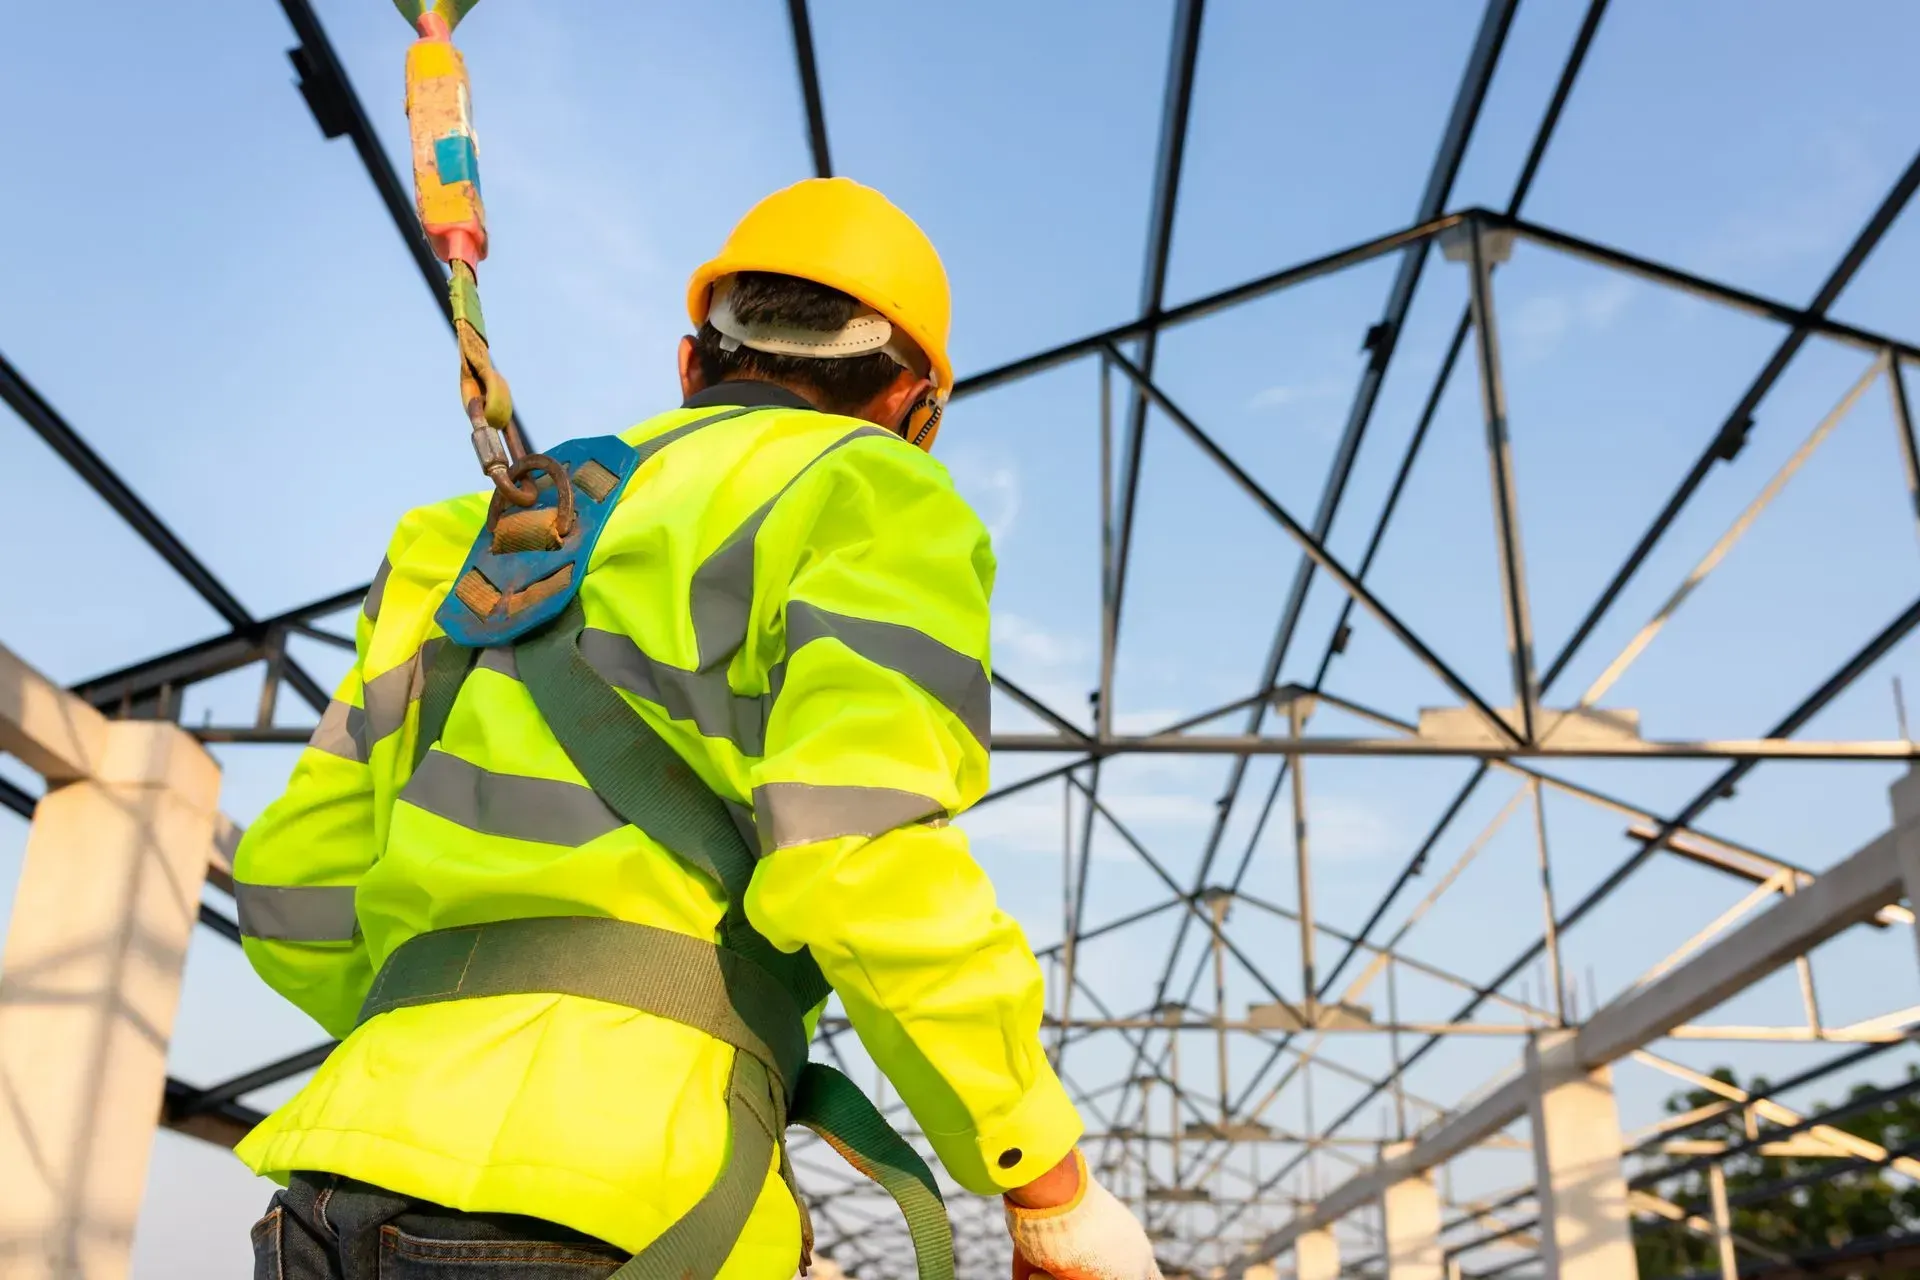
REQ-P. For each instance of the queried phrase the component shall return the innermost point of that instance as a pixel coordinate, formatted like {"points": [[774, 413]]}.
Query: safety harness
{"points": [[519, 589]]}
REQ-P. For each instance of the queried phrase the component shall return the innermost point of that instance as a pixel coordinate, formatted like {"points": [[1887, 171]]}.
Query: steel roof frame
{"points": [[154, 686]]}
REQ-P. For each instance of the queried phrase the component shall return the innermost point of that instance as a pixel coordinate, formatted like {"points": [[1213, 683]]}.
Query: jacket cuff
{"points": [[1017, 1148]]}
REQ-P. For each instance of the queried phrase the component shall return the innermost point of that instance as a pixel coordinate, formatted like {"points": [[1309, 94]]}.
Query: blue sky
{"points": [[228, 317]]}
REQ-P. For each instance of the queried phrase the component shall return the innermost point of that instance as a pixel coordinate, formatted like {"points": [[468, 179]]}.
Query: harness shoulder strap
{"points": [[516, 578], [644, 780], [446, 670]]}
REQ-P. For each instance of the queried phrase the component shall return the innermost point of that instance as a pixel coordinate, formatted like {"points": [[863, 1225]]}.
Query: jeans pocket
{"points": [[267, 1234], [404, 1256]]}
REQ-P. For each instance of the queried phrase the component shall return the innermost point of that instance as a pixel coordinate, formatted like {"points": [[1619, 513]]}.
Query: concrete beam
{"points": [[52, 732], [1847, 894], [63, 739], [89, 983], [1906, 825]]}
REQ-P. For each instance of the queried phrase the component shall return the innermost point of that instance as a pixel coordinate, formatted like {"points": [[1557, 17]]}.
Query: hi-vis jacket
{"points": [[797, 602]]}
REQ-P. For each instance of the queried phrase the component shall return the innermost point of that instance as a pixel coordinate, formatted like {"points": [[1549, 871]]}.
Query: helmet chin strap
{"points": [[922, 421]]}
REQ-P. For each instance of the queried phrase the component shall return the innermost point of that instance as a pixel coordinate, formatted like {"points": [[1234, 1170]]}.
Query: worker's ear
{"points": [[891, 407], [693, 379]]}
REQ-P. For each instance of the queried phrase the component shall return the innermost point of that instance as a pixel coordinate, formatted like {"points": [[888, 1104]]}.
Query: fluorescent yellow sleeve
{"points": [[877, 735], [319, 833]]}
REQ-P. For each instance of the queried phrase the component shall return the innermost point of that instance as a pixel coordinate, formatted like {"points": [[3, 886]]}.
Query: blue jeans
{"points": [[325, 1227]]}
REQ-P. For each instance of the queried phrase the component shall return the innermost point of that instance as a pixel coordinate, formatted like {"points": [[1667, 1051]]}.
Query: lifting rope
{"points": [[446, 186]]}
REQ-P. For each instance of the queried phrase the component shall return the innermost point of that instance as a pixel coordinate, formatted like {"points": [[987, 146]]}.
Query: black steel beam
{"points": [[1872, 1100], [1804, 321], [224, 653], [810, 88], [223, 1126], [337, 109], [1042, 710], [12, 797], [216, 1096], [1562, 90], [1383, 339], [1810, 319], [1824, 1172], [205, 659], [1718, 789], [1183, 53], [1733, 431], [1774, 1089], [44, 421], [1258, 287], [1475, 79], [1337, 640], [1314, 548], [221, 923]]}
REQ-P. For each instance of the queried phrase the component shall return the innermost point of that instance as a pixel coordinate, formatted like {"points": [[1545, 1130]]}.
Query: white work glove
{"points": [[1091, 1237]]}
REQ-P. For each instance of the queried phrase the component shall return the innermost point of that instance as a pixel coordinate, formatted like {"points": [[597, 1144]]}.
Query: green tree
{"points": [[1860, 1203]]}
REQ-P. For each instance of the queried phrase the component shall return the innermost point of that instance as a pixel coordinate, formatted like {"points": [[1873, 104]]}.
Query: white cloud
{"points": [[1143, 810], [1031, 823], [1147, 721], [991, 485], [1027, 823], [1813, 220], [1285, 394], [1603, 304], [1349, 830], [1535, 326], [1030, 646]]}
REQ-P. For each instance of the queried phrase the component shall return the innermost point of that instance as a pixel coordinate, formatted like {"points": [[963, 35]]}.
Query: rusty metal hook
{"points": [[515, 485]]}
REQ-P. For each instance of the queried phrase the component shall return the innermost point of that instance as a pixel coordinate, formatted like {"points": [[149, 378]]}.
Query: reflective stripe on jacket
{"points": [[798, 603]]}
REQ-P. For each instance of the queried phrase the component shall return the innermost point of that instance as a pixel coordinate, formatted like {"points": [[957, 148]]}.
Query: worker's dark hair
{"points": [[838, 386]]}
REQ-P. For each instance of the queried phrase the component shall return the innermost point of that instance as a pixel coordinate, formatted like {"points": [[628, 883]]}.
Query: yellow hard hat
{"points": [[835, 232]]}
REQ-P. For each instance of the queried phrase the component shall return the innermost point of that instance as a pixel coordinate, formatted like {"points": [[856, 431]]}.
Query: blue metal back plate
{"points": [[516, 571]]}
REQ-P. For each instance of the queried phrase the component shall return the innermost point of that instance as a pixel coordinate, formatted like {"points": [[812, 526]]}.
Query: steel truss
{"points": [[1176, 1146]]}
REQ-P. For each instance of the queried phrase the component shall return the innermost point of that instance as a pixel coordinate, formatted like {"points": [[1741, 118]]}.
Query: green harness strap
{"points": [[645, 781], [745, 992], [658, 971], [835, 1108], [446, 670]]}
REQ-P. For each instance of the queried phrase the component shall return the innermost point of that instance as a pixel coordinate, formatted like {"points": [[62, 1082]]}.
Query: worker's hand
{"points": [[1073, 1229]]}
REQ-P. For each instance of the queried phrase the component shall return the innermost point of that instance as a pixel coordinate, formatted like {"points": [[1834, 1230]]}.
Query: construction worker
{"points": [[620, 782]]}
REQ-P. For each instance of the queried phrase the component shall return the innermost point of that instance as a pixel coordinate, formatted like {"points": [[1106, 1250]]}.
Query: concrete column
{"points": [[1906, 828], [1585, 1232], [1412, 1211], [89, 982], [1316, 1256], [1261, 1271]]}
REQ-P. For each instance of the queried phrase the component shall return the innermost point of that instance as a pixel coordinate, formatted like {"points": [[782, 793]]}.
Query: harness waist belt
{"points": [[671, 975], [712, 989]]}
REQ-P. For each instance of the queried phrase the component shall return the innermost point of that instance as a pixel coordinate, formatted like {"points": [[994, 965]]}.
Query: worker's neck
{"points": [[748, 394]]}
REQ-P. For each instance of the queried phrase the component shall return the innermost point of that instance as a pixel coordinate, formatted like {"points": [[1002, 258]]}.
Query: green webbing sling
{"points": [[672, 975], [745, 992], [646, 782]]}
